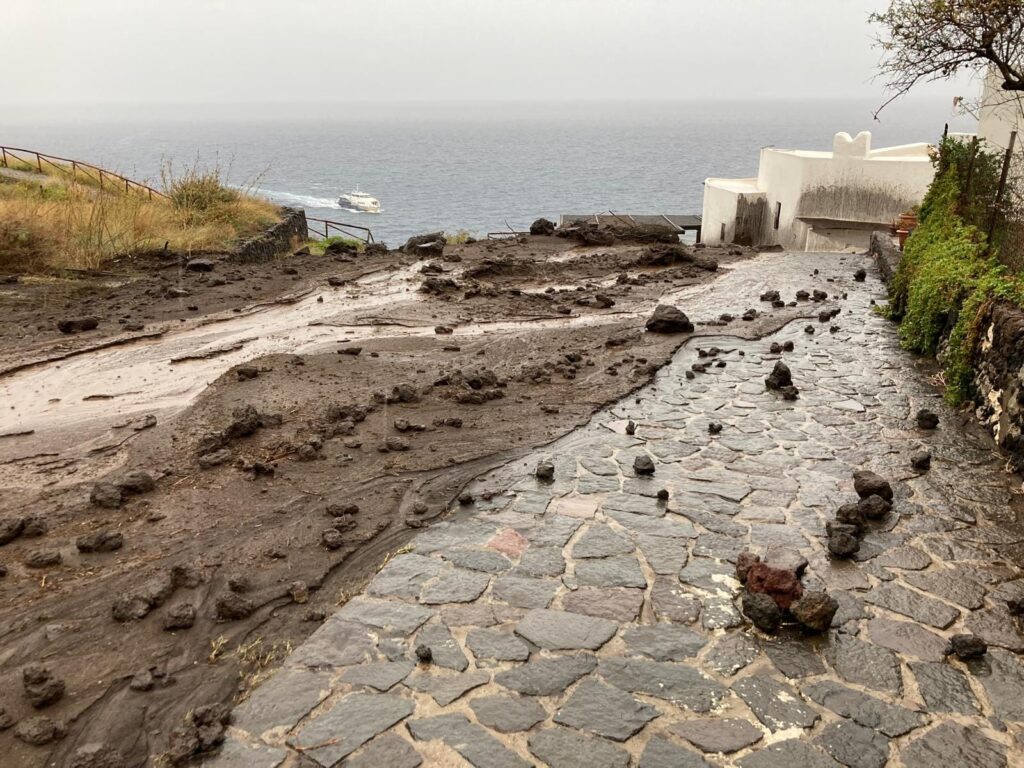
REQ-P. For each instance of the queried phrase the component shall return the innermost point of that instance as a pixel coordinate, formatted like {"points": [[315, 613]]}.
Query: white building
{"points": [[1001, 112], [817, 201]]}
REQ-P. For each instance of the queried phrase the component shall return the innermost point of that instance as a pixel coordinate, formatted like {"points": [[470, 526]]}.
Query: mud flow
{"points": [[192, 487]]}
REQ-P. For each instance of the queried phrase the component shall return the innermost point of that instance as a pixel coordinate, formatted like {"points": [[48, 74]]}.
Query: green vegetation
{"points": [[319, 247], [461, 237], [947, 279]]}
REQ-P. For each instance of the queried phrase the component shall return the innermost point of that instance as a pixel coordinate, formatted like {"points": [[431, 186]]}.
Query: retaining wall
{"points": [[283, 237]]}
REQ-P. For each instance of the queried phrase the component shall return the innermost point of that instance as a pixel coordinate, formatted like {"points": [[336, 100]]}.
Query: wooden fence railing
{"points": [[32, 158]]}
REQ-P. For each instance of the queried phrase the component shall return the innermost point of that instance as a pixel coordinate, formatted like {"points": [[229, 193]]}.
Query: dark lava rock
{"points": [[775, 348], [179, 616], [545, 470], [714, 428], [770, 296], [815, 610], [967, 647], [603, 301], [43, 558], [202, 732], [231, 606], [789, 393], [781, 584], [663, 494], [788, 346], [130, 608], [669, 319], [744, 561], [11, 528], [77, 324], [868, 483], [142, 681], [100, 541], [762, 610], [852, 515], [818, 295], [860, 275], [927, 419], [199, 265], [809, 329], [643, 465], [921, 461], [246, 372], [41, 687], [874, 507], [332, 539], [630, 427], [35, 526], [843, 540], [39, 730], [245, 421], [423, 654], [542, 227], [136, 482], [426, 246], [824, 316], [106, 495], [779, 377]]}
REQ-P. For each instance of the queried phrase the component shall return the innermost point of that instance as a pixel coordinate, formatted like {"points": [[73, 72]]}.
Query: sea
{"points": [[474, 167]]}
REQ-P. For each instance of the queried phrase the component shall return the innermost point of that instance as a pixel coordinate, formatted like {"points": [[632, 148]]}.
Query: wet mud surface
{"points": [[287, 449]]}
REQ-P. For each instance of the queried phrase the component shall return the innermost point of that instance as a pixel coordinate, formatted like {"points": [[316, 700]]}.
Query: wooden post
{"points": [[39, 162], [997, 202], [4, 151]]}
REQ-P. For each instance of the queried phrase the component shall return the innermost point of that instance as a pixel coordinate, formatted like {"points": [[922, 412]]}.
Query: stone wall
{"points": [[998, 365], [999, 379], [283, 237]]}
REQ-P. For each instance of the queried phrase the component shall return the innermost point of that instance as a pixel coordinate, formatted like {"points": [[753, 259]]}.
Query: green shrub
{"points": [[946, 280]]}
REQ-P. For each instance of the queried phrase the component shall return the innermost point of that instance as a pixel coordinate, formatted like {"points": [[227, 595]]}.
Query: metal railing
{"points": [[74, 168], [341, 228]]}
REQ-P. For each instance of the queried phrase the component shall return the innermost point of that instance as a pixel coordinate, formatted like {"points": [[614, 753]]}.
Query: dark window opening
{"points": [[778, 214]]}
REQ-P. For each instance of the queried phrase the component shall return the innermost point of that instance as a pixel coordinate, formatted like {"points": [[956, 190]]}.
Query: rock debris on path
{"points": [[582, 606]]}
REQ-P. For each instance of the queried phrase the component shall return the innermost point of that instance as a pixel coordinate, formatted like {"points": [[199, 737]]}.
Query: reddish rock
{"points": [[780, 584]]}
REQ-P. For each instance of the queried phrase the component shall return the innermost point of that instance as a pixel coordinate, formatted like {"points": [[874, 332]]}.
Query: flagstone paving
{"points": [[586, 622]]}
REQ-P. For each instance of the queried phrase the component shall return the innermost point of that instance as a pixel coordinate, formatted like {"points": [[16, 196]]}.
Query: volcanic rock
{"points": [[867, 483], [199, 265], [41, 687], [179, 616], [921, 461], [927, 419], [860, 275], [815, 610], [669, 319], [762, 611], [781, 584], [77, 324], [426, 246], [545, 470], [874, 507], [106, 495], [966, 647], [231, 606], [843, 540], [744, 561], [643, 465], [136, 482], [100, 541], [779, 377], [542, 227]]}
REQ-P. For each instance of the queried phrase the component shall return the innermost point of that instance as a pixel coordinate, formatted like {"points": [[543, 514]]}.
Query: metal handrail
{"points": [[62, 163], [341, 227]]}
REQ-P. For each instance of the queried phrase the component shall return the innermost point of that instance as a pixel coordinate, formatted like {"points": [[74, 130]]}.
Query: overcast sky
{"points": [[59, 52]]}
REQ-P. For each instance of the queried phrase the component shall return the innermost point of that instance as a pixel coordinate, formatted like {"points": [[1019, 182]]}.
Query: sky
{"points": [[181, 52]]}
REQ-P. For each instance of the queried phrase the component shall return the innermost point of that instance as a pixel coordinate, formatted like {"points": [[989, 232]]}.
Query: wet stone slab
{"points": [[663, 642], [725, 734], [349, 724], [561, 630], [387, 749], [617, 604], [682, 685], [899, 599], [854, 745], [564, 748], [662, 753], [944, 688], [604, 711], [508, 714], [952, 745], [776, 705], [496, 645], [547, 676], [473, 742]]}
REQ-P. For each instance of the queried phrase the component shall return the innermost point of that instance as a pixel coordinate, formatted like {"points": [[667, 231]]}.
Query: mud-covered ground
{"points": [[296, 430]]}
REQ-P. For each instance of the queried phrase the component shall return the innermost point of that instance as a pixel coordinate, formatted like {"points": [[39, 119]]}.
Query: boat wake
{"points": [[305, 201]]}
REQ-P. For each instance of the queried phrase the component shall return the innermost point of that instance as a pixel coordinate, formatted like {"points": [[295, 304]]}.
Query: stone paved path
{"points": [[584, 623]]}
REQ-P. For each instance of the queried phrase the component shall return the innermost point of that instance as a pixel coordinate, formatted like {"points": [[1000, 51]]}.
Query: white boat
{"points": [[360, 201]]}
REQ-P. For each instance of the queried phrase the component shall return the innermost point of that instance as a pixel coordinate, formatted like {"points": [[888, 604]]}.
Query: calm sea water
{"points": [[480, 167]]}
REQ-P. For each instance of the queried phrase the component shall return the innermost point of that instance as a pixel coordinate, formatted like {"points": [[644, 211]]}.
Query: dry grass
{"points": [[50, 222]]}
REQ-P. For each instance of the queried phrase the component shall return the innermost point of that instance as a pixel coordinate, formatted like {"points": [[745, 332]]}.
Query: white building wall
{"points": [[850, 184], [1001, 112]]}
